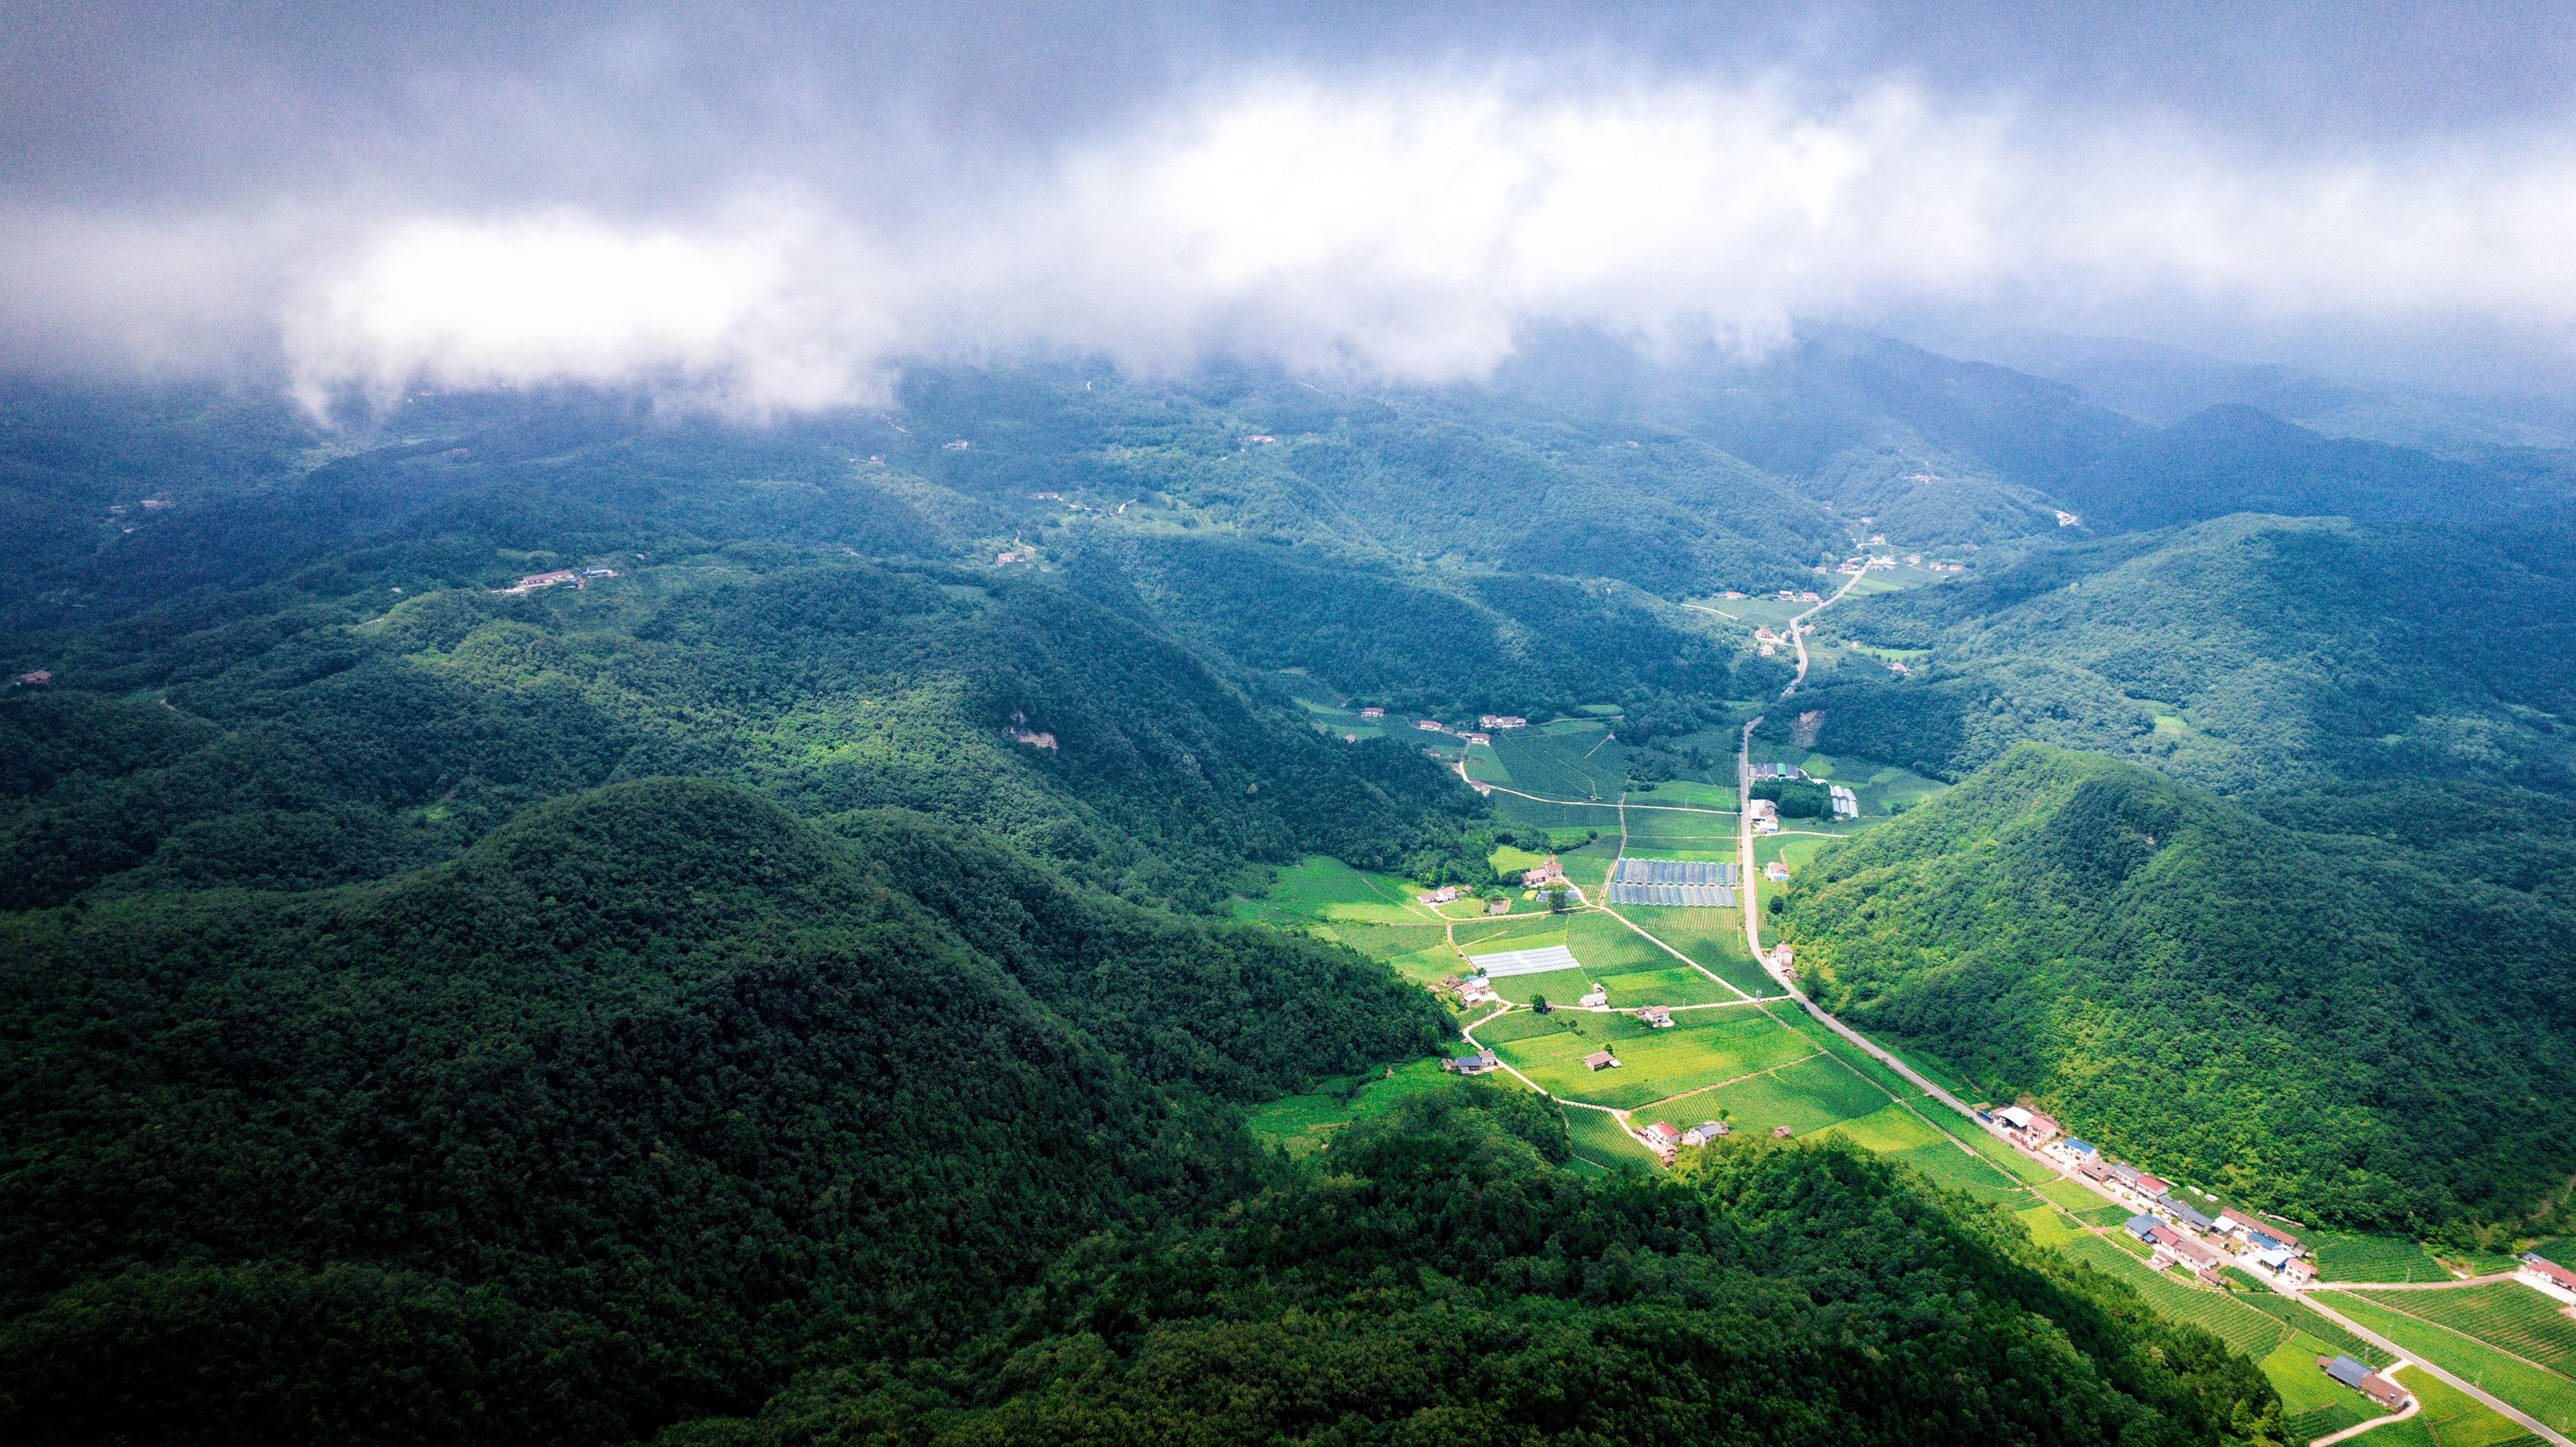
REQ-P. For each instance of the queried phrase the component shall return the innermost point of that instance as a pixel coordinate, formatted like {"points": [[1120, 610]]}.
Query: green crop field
{"points": [[1320, 887], [2247, 1330], [1713, 938], [2544, 1394], [2342, 1257], [1891, 1130], [1519, 932], [2048, 1226], [2294, 1314], [1950, 1166], [1558, 987], [1606, 945], [1506, 859], [2448, 1418], [1655, 1065], [1523, 813], [1678, 985], [2071, 1196], [2505, 1314], [1587, 764], [1689, 793], [2304, 1387], [1598, 1138]]}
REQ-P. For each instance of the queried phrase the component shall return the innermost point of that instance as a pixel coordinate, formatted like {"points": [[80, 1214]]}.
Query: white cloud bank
{"points": [[1411, 233]]}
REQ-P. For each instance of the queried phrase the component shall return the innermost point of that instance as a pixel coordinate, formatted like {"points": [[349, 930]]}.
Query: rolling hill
{"points": [[2352, 1006]]}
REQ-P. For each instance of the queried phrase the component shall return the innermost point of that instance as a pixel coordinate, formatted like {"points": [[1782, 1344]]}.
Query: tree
{"points": [[1540, 1004]]}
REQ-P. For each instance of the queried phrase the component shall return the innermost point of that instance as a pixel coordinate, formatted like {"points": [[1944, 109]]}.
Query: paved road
{"points": [[1798, 628], [2503, 1408]]}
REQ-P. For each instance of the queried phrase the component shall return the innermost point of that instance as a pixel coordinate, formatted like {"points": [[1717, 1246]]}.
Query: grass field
{"points": [[2329, 1337], [2505, 1314], [1521, 932], [1653, 1064], [1674, 985], [1558, 987], [2342, 1257], [1890, 1130], [2071, 1196], [1321, 888], [2048, 1226], [1302, 1123], [2544, 1394]]}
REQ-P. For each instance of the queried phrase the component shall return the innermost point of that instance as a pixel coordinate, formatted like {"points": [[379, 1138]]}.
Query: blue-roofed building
{"points": [[2080, 1149], [2347, 1371], [2276, 1258], [2264, 1242], [2142, 1227]]}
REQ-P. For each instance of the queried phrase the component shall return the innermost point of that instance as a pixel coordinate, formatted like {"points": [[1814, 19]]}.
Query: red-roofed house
{"points": [[2152, 1186], [2547, 1277]]}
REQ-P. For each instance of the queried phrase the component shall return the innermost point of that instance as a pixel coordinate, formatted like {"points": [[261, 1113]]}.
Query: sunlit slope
{"points": [[2317, 1010]]}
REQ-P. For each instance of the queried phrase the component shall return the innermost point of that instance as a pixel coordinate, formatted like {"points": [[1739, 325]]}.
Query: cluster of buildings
{"points": [[1372, 713], [2176, 1230], [534, 582], [1665, 1141], [1788, 773], [1476, 1064], [1765, 815], [37, 679], [1023, 554], [1435, 726], [1500, 721], [1471, 990], [1546, 874]]}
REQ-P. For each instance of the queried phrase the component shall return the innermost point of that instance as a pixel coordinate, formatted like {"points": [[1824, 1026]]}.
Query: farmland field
{"points": [[2048, 1226], [1891, 1130], [2329, 1337], [1950, 1166], [2505, 1314], [1576, 765], [2371, 1258], [1675, 985], [2072, 1196], [1320, 887], [2247, 1330], [1689, 793], [1598, 1138], [2449, 1418], [2544, 1394], [1539, 814], [1713, 938], [1558, 987]]}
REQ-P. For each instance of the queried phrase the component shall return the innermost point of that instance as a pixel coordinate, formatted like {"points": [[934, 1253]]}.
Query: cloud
{"points": [[1411, 231]]}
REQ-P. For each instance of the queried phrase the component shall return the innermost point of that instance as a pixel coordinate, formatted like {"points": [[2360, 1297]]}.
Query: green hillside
{"points": [[654, 1094], [1447, 1282], [2241, 654], [2353, 1007]]}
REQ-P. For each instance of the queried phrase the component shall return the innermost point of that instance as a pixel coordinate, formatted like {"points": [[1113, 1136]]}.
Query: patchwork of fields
{"points": [[1761, 1066]]}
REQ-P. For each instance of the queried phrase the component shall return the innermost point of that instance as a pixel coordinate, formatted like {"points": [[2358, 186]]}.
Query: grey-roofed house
{"points": [[2142, 1227], [2190, 1217], [1476, 1064]]}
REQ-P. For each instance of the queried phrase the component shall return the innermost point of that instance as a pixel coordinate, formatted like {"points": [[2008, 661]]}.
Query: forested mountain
{"points": [[2353, 1006], [772, 974], [2242, 654], [1451, 645], [653, 1095], [1445, 1284]]}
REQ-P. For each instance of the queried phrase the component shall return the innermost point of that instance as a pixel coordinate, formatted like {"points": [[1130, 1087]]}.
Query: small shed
{"points": [[1600, 1060]]}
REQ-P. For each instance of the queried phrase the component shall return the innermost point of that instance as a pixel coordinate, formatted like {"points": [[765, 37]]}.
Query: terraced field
{"points": [[1581, 763]]}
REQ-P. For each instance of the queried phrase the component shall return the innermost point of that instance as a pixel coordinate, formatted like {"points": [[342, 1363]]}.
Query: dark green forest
{"points": [[1445, 1283], [2281, 652], [2318, 1002]]}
